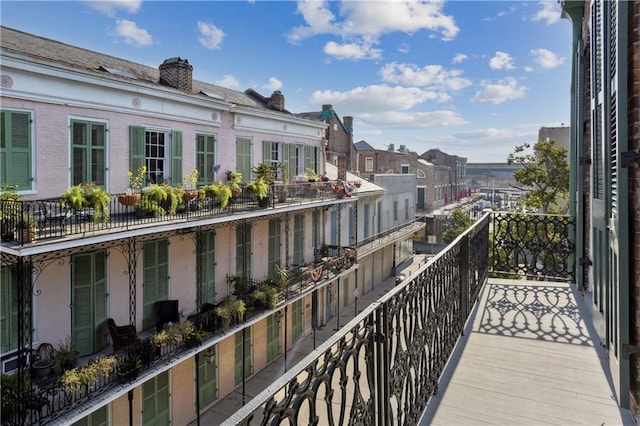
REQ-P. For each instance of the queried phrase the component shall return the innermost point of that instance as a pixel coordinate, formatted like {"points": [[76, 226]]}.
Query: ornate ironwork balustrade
{"points": [[382, 367]]}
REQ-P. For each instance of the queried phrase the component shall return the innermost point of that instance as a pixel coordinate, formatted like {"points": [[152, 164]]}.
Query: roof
{"points": [[363, 146], [366, 187], [46, 50]]}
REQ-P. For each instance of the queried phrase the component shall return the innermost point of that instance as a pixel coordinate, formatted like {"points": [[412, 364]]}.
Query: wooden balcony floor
{"points": [[529, 356]]}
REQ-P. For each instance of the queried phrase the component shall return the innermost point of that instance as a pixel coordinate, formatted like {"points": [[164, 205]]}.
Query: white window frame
{"points": [[166, 168], [368, 164]]}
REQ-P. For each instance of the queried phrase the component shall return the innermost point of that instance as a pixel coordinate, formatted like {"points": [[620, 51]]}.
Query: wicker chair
{"points": [[121, 335]]}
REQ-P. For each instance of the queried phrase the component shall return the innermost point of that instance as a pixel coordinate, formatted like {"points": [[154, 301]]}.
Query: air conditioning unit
{"points": [[10, 365]]}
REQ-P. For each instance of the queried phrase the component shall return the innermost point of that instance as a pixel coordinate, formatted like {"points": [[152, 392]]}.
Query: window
{"points": [[243, 249], [274, 246], [240, 349], [368, 164], [298, 240], [15, 149], [312, 158], [100, 417], [9, 312], [404, 169], [89, 301], [207, 370], [271, 152], [160, 150], [406, 208], [395, 210], [205, 157], [155, 283], [273, 338], [333, 224], [155, 400], [243, 158], [88, 162], [206, 278]]}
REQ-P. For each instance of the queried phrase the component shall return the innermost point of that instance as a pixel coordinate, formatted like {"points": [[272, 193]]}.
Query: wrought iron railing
{"points": [[533, 245], [382, 367], [52, 219]]}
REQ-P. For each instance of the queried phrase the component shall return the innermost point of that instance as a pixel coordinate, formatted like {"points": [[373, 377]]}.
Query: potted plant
{"points": [[283, 276], [11, 202], [234, 179], [128, 367], [259, 188], [66, 355], [152, 196], [195, 337], [220, 190], [281, 181], [26, 228], [136, 182], [88, 195], [189, 182], [266, 172], [311, 174]]}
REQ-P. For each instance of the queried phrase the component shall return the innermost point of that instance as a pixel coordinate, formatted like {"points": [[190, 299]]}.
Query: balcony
{"points": [[456, 344], [54, 221]]}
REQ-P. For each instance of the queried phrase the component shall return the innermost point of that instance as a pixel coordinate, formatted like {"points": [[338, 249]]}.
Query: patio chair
{"points": [[121, 335], [166, 312]]}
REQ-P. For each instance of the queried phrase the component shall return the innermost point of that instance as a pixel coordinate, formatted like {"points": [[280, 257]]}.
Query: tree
{"points": [[461, 222], [546, 172]]}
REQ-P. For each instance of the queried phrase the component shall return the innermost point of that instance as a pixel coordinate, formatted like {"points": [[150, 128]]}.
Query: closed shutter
{"points": [[274, 246], [155, 278], [208, 377], [286, 148], [155, 401], [243, 249], [248, 368], [9, 311], [273, 338], [88, 313], [298, 240], [15, 149], [296, 320], [316, 159], [176, 157], [207, 267], [243, 158], [309, 158]]}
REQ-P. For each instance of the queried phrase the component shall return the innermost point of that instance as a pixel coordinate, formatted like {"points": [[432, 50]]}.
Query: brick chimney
{"points": [[177, 73], [348, 123], [342, 168], [277, 100]]}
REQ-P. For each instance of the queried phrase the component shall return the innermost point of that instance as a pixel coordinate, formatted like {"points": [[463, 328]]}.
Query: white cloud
{"points": [[351, 51], [229, 81], [546, 58], [549, 12], [273, 84], [459, 58], [132, 34], [497, 93], [416, 120], [367, 21], [374, 99], [501, 61], [111, 7], [431, 76], [210, 36], [404, 48]]}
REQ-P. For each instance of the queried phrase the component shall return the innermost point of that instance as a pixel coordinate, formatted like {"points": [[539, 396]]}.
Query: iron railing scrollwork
{"points": [[383, 366]]}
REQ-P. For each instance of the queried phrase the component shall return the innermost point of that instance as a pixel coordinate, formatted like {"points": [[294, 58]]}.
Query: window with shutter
{"points": [[243, 158], [207, 267], [296, 320], [100, 417], [15, 149], [9, 311], [206, 157], [155, 401], [88, 152], [273, 338], [274, 246], [248, 367], [207, 371], [298, 240], [243, 249]]}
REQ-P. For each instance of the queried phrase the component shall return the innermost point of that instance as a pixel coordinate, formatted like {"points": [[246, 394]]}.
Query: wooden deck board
{"points": [[527, 358]]}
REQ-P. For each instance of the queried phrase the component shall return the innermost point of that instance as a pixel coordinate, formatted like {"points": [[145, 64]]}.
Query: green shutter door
{"points": [[9, 313], [176, 158], [207, 267], [296, 320], [243, 249], [15, 149], [155, 278], [100, 417], [274, 246], [273, 338], [88, 305], [208, 385], [155, 401], [285, 160], [298, 240], [316, 157], [243, 158], [266, 152], [309, 158], [248, 368]]}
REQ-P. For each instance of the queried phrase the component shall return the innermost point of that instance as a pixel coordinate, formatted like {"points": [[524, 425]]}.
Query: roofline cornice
{"points": [[272, 115]]}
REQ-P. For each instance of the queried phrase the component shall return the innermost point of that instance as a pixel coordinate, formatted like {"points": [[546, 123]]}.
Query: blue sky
{"points": [[473, 78]]}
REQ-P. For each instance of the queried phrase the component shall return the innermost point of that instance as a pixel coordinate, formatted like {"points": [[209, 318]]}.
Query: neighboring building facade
{"points": [[605, 178], [74, 116], [560, 135]]}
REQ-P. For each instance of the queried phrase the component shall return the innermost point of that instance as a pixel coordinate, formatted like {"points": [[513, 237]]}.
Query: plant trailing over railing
{"points": [[259, 188], [88, 195]]}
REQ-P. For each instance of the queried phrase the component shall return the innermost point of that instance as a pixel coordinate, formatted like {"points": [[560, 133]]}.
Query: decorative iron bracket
{"points": [[626, 158]]}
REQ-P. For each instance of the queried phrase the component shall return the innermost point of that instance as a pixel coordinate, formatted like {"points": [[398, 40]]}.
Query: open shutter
{"points": [[292, 169], [136, 148], [285, 159], [9, 311], [100, 300], [266, 151], [309, 158], [176, 157], [316, 159]]}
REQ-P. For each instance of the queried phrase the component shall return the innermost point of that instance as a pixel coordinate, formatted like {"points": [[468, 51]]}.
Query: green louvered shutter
{"points": [[155, 278], [208, 385], [292, 163], [285, 159], [88, 314], [266, 152], [136, 148], [309, 158], [298, 240], [15, 149], [176, 157], [248, 367], [156, 401], [207, 267], [243, 158], [8, 312], [316, 156]]}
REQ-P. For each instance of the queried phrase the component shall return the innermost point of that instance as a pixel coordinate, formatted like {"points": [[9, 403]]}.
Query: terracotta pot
{"points": [[189, 195], [26, 235], [235, 192]]}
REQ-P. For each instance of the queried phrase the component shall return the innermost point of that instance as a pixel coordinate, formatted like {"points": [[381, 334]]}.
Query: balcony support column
{"points": [[464, 271], [131, 250]]}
